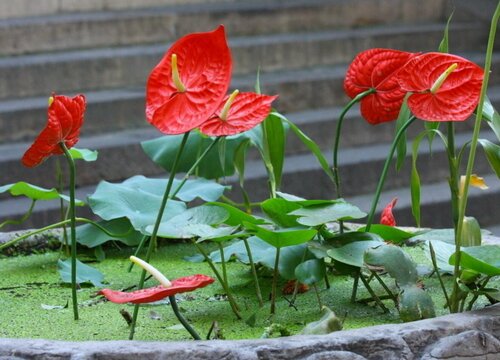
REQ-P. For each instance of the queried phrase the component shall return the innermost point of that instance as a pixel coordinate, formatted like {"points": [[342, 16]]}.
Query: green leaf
{"points": [[304, 202], [444, 44], [281, 237], [403, 117], [415, 180], [352, 253], [205, 189], [313, 147], [492, 152], [396, 262], [92, 236], [389, 233], [236, 217], [83, 154], [349, 237], [84, 273], [492, 117], [290, 258], [35, 192], [318, 215], [274, 145], [133, 200], [278, 210], [443, 251], [484, 259], [219, 234], [194, 222], [311, 271], [164, 149]]}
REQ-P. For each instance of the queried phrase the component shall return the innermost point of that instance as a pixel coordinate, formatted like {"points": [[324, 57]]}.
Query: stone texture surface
{"points": [[473, 335]]}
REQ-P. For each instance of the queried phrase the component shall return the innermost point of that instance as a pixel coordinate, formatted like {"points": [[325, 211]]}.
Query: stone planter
{"points": [[470, 335]]}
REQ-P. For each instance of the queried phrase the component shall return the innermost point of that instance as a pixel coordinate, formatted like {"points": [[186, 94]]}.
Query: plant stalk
{"points": [[72, 177], [182, 320], [472, 154], [153, 239], [254, 272], [275, 281], [383, 175]]}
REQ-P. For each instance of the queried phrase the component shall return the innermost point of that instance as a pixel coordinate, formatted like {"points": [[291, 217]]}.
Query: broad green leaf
{"points": [[313, 147], [281, 237], [403, 117], [484, 259], [389, 233], [415, 304], [132, 200], [274, 145], [492, 117], [290, 258], [492, 152], [352, 253], [216, 234], [164, 149], [278, 209], [262, 252], [311, 271], [236, 216], [395, 261], [304, 202], [92, 236], [318, 215], [83, 154], [205, 189], [35, 192], [84, 273], [445, 235], [443, 251], [349, 237], [194, 222]]}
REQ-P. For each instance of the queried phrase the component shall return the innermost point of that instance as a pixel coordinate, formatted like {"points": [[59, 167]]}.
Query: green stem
{"points": [[223, 263], [297, 283], [232, 302], [254, 272], [383, 175], [436, 270], [58, 225], [317, 296], [338, 130], [195, 165], [144, 239], [476, 296], [72, 177], [372, 293], [63, 213], [275, 281], [152, 241], [453, 168], [22, 218], [386, 288], [182, 320], [472, 154], [354, 291]]}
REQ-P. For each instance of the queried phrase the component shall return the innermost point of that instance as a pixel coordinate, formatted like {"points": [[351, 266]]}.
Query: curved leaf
{"points": [[390, 233], [310, 271], [278, 211], [318, 215], [492, 152], [35, 192], [83, 154], [282, 237], [91, 236], [484, 259], [84, 273], [352, 253]]}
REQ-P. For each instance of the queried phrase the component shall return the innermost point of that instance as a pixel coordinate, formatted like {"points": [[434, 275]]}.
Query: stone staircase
{"points": [[106, 49]]}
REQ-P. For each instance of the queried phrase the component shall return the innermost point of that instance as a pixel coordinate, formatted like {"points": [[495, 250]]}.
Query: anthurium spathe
{"points": [[64, 120], [444, 87], [156, 293], [237, 113], [189, 83], [387, 217], [376, 69]]}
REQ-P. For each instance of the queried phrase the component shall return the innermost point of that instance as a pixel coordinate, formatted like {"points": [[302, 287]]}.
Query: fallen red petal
{"points": [[156, 293]]}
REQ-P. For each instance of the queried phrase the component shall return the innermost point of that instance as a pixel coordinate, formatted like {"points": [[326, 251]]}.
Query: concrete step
{"points": [[87, 70], [166, 23], [115, 110], [360, 169], [23, 8]]}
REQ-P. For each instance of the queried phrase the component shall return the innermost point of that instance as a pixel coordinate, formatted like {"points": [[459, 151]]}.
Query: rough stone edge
{"points": [[400, 341]]}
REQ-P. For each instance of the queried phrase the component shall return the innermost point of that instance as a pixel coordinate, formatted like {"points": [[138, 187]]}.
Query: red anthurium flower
{"points": [[184, 284], [387, 218], [376, 69], [238, 112], [65, 118], [445, 87], [189, 83]]}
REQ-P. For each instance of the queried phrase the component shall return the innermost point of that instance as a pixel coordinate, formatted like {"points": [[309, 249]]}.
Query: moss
{"points": [[28, 282]]}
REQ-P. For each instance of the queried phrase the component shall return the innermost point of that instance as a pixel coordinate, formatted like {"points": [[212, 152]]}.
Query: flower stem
{"points": [[336, 143], [182, 320], [254, 273], [383, 175], [275, 281], [72, 176], [22, 218], [230, 298], [152, 241], [470, 163]]}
